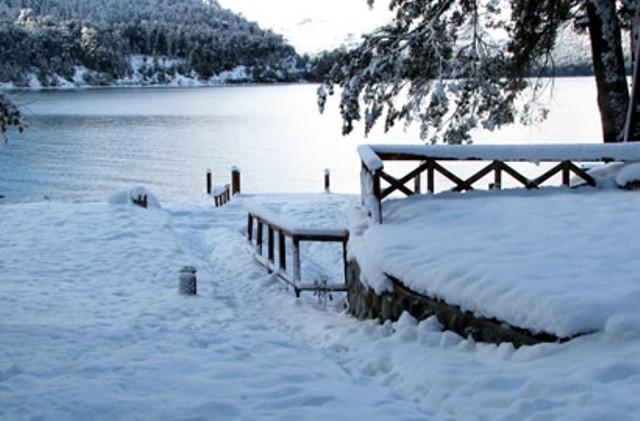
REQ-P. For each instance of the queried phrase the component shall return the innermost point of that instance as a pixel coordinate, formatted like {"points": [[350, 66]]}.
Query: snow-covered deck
{"points": [[556, 260]]}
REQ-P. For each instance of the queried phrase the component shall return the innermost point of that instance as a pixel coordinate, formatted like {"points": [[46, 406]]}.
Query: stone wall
{"points": [[364, 303]]}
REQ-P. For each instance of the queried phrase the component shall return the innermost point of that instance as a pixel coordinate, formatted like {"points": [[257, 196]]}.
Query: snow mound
{"points": [[628, 174], [624, 326], [614, 174], [125, 197], [603, 174]]}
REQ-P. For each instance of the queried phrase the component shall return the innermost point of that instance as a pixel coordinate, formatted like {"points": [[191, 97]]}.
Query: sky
{"points": [[313, 25]]}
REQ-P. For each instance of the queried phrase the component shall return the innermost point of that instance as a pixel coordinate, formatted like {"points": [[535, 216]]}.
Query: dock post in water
{"points": [[235, 180], [327, 181], [209, 181]]}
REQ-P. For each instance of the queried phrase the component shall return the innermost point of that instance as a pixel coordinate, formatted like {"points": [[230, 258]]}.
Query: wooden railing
{"points": [[430, 159], [222, 195], [275, 226]]}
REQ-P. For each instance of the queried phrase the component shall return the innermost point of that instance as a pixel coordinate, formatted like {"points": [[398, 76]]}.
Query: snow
{"points": [[369, 158], [218, 190], [127, 196], [627, 152], [628, 174], [291, 225], [92, 327], [238, 74], [554, 260]]}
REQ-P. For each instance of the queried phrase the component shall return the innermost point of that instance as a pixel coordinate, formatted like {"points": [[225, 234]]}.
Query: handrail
{"points": [[221, 195], [370, 158], [374, 155], [276, 224], [430, 158]]}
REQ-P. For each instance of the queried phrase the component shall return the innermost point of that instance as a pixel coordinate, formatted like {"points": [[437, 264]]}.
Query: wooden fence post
{"points": [[296, 263], [271, 242], [259, 237], [235, 180], [209, 182], [250, 227], [282, 251], [431, 184], [566, 173], [377, 192]]}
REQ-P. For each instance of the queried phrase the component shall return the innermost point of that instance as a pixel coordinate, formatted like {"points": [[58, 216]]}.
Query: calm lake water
{"points": [[83, 145]]}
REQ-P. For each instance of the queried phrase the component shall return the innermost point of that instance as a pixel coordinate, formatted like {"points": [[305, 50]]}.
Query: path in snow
{"points": [[91, 325]]}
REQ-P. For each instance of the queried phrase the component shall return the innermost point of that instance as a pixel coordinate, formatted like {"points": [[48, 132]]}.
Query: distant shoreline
{"points": [[23, 89], [7, 88]]}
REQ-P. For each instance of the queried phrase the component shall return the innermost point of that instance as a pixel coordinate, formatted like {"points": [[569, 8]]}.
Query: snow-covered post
{"points": [[235, 180], [209, 181], [188, 282], [327, 181]]}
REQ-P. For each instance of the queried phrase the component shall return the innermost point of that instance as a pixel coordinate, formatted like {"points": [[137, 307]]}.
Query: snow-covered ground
{"points": [[91, 327]]}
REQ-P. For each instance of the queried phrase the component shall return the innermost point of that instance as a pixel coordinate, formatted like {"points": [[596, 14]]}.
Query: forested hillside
{"points": [[97, 42]]}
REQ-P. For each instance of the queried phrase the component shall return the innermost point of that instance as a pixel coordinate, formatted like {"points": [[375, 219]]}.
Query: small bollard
{"points": [[188, 283], [327, 181]]}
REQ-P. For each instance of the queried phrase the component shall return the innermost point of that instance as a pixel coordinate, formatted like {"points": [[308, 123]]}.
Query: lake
{"points": [[82, 145]]}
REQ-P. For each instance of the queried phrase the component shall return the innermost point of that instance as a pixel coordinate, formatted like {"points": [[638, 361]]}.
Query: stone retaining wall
{"points": [[364, 303]]}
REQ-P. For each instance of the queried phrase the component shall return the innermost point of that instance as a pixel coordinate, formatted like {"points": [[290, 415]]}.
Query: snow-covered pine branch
{"points": [[455, 65], [438, 63]]}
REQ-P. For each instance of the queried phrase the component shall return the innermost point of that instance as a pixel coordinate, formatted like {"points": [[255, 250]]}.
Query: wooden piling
{"points": [[327, 180], [209, 182], [235, 180]]}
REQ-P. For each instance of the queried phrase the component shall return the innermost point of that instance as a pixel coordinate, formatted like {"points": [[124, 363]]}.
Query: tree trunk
{"points": [[608, 66]]}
